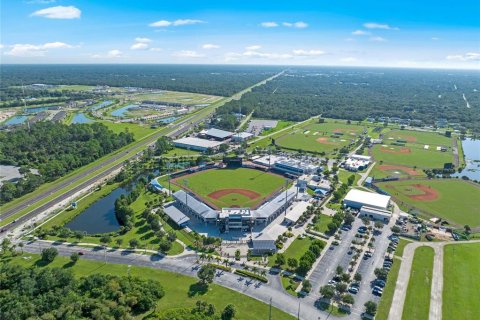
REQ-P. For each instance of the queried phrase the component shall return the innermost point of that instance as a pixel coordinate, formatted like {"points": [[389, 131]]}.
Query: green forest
{"points": [[215, 80], [54, 149], [54, 293], [357, 93]]}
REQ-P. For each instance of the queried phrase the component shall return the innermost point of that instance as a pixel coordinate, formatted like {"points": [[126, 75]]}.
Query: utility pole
{"points": [[286, 195], [270, 312], [298, 314]]}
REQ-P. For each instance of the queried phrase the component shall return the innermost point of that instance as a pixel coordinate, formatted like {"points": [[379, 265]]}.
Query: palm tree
{"points": [[263, 272], [254, 269], [21, 245]]}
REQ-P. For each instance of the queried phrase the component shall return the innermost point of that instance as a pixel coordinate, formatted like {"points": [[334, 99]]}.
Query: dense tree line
{"points": [[54, 293], [124, 213], [13, 96], [215, 80], [54, 149], [355, 94]]}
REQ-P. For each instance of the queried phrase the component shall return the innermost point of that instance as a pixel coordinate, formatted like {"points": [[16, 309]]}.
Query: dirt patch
{"points": [[244, 192], [429, 194], [407, 170], [401, 151], [325, 141]]}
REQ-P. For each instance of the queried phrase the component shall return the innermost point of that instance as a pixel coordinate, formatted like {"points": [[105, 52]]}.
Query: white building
{"points": [[357, 162], [375, 214], [241, 136], [357, 199], [198, 144]]}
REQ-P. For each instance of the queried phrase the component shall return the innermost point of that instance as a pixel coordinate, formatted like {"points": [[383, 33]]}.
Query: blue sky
{"points": [[364, 33]]}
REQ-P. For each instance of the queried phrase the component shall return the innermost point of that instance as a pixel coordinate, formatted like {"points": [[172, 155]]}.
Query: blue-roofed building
{"points": [[157, 186], [195, 207], [176, 215], [368, 181]]}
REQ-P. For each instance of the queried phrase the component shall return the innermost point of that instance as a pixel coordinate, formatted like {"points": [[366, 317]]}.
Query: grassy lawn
{"points": [[387, 296], [139, 131], [396, 171], [419, 137], [290, 285], [414, 156], [141, 230], [282, 124], [205, 182], [461, 281], [181, 152], [177, 287], [456, 200], [401, 246], [417, 302], [322, 223], [296, 250], [343, 176]]}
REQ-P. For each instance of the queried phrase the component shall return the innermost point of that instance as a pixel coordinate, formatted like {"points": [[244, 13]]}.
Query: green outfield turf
{"points": [[178, 97], [453, 200], [461, 281], [320, 137], [412, 149], [240, 187], [381, 171], [417, 301]]}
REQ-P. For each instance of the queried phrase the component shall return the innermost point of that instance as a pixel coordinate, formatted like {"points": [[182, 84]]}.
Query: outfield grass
{"points": [[282, 124], [177, 287], [461, 281], [399, 173], [419, 137], [179, 97], [457, 200], [306, 137], [417, 301], [204, 183]]}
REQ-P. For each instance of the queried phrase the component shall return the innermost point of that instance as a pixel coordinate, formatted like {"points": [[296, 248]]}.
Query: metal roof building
{"points": [[263, 245], [196, 207], [357, 199], [274, 207], [218, 134], [196, 144], [176, 215]]}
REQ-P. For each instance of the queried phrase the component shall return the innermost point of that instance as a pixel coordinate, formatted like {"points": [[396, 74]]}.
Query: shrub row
{"points": [[251, 275]]}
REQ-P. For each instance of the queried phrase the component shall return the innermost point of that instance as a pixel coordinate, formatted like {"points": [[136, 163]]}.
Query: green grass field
{"points": [[398, 172], [461, 281], [139, 131], [179, 97], [322, 223], [415, 153], [343, 176], [176, 286], [318, 137], [417, 301], [457, 200], [205, 182], [387, 296]]}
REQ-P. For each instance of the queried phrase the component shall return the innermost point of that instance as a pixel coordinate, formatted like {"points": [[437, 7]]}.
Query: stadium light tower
{"points": [[185, 183], [286, 195]]}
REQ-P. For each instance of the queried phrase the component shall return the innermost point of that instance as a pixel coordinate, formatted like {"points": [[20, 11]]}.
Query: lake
{"points": [[36, 109], [102, 105], [120, 112], [81, 118], [15, 120], [471, 149], [167, 120], [100, 216]]}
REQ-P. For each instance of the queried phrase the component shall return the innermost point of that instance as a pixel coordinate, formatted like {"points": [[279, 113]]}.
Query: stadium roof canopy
{"points": [[198, 207]]}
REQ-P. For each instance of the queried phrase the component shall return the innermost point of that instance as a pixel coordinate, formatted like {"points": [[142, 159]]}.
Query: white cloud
{"points": [[156, 49], [141, 44], [266, 55], [254, 47], [435, 38], [374, 25], [59, 12], [361, 33], [378, 39], [41, 1], [349, 59], [32, 50], [115, 53], [210, 46], [2, 46], [187, 54], [299, 24], [469, 56], [269, 24], [308, 53], [232, 56], [176, 23]]}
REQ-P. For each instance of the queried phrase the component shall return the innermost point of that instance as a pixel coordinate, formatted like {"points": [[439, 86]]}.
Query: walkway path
{"points": [[436, 294]]}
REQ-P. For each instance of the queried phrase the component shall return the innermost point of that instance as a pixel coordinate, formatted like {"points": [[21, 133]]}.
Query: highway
{"points": [[107, 167]]}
